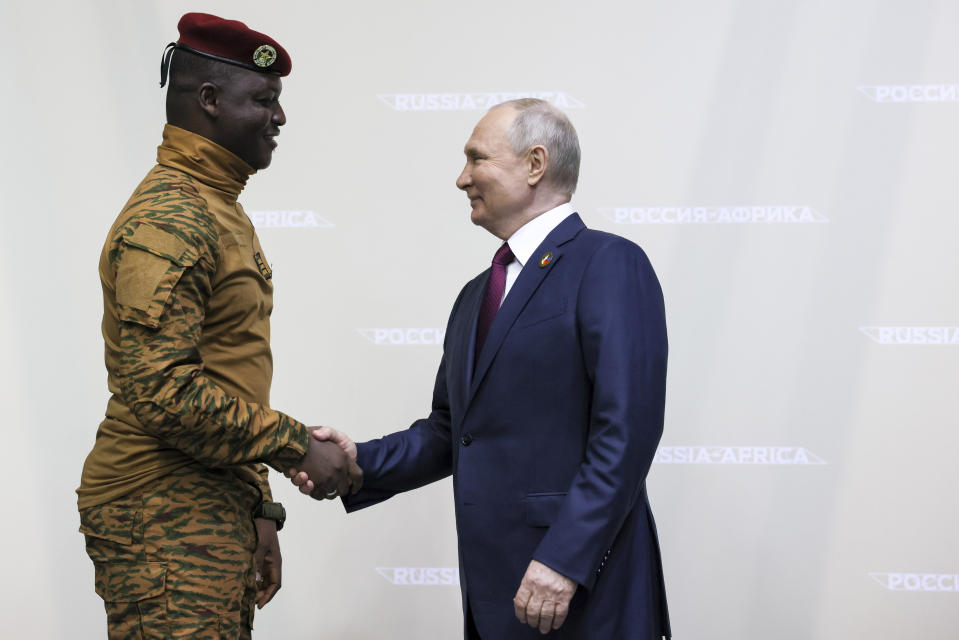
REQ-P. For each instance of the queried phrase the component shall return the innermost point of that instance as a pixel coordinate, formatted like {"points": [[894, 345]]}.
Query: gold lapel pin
{"points": [[546, 259]]}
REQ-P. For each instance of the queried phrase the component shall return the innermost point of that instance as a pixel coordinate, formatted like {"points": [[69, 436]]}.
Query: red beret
{"points": [[228, 41]]}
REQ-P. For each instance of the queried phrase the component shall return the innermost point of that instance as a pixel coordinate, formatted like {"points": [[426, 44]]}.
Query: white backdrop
{"points": [[789, 167]]}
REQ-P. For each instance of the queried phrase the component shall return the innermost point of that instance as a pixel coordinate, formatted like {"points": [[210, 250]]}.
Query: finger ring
{"points": [[332, 494]]}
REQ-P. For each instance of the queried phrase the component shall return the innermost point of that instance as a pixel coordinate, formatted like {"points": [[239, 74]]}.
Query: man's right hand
{"points": [[331, 471]]}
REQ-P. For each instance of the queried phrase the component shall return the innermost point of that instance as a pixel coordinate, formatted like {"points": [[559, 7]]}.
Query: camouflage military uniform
{"points": [[168, 490]]}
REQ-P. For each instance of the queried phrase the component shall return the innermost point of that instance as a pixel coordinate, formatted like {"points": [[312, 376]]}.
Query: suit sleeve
{"points": [[163, 284], [409, 459], [622, 326]]}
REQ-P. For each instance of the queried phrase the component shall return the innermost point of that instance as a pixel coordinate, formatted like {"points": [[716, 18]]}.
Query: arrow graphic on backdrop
{"points": [[913, 335], [472, 101], [762, 455], [733, 214]]}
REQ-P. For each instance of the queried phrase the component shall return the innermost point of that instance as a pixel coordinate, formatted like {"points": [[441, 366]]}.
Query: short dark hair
{"points": [[188, 71]]}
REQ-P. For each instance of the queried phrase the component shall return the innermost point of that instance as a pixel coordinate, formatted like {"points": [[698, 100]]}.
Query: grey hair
{"points": [[538, 122]]}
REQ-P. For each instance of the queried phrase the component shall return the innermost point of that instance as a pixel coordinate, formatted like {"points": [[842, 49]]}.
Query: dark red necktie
{"points": [[494, 295]]}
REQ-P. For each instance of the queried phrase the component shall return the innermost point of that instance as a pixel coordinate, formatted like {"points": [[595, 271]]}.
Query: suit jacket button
{"points": [[466, 439]]}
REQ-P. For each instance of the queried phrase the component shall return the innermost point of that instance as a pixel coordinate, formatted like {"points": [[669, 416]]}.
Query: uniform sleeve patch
{"points": [[150, 264]]}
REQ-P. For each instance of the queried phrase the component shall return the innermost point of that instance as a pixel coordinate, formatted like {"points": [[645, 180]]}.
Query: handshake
{"points": [[329, 467]]}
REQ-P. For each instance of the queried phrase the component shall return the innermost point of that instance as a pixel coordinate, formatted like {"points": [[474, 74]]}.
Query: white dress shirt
{"points": [[524, 242]]}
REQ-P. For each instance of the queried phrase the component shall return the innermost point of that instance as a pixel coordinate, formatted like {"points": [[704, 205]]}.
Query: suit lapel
{"points": [[529, 280], [466, 341]]}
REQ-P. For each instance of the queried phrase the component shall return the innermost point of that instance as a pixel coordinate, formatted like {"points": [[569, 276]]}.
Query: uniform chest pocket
{"points": [[242, 251], [234, 239]]}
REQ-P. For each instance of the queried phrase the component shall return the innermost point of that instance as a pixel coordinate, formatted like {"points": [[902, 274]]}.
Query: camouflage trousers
{"points": [[177, 561]]}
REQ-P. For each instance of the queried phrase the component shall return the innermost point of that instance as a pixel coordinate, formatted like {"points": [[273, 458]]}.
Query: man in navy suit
{"points": [[548, 404]]}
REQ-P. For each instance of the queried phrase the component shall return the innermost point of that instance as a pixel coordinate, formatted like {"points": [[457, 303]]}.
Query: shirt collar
{"points": [[524, 242]]}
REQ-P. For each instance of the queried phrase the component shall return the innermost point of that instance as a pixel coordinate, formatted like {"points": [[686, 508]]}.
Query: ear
{"points": [[538, 159], [208, 96]]}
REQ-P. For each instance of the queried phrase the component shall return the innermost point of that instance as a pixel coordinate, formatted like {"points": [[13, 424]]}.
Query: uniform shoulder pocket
{"points": [[150, 263]]}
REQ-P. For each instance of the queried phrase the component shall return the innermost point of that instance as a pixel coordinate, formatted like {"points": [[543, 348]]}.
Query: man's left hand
{"points": [[269, 562], [542, 600]]}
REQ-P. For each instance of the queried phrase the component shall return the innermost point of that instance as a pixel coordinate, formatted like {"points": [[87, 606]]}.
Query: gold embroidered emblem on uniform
{"points": [[264, 268]]}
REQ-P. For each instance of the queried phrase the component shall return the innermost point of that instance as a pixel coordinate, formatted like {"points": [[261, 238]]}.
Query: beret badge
{"points": [[264, 56]]}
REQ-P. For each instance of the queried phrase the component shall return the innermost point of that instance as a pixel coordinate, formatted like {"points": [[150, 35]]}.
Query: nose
{"points": [[279, 116], [464, 180]]}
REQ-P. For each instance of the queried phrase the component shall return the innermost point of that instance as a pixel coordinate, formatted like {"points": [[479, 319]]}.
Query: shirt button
{"points": [[466, 439]]}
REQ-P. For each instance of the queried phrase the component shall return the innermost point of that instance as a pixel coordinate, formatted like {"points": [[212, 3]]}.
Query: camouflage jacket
{"points": [[187, 296]]}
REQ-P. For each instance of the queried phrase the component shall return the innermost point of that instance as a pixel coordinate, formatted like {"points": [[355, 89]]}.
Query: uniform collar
{"points": [[203, 159]]}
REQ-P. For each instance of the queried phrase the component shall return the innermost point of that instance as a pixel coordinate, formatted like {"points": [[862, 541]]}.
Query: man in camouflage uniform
{"points": [[174, 499]]}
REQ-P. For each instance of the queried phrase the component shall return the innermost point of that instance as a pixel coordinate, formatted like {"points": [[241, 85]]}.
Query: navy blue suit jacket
{"points": [[550, 439]]}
